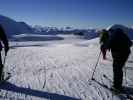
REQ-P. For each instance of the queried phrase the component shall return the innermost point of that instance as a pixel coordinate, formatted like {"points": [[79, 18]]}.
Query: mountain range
{"points": [[13, 27]]}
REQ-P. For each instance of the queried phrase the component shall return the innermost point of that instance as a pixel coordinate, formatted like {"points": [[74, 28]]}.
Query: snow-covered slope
{"points": [[127, 30], [12, 27], [58, 71]]}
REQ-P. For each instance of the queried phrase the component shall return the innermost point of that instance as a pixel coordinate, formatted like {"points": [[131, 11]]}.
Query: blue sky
{"points": [[75, 13]]}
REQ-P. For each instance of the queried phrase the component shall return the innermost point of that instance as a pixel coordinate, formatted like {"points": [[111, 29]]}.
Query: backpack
{"points": [[119, 41]]}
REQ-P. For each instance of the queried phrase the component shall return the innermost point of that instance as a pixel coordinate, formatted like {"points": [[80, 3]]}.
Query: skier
{"points": [[3, 41], [120, 44], [103, 42]]}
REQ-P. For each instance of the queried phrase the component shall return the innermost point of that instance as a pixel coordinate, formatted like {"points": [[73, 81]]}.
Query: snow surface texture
{"points": [[58, 70]]}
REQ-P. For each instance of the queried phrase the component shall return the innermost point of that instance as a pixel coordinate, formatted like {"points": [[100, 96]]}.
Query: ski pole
{"points": [[3, 64], [45, 77], [125, 75], [96, 65], [4, 60]]}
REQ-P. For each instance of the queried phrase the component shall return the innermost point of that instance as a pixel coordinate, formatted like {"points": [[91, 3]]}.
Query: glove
{"points": [[6, 50]]}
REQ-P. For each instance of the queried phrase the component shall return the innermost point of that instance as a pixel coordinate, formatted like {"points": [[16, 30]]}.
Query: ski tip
{"points": [[92, 79], [104, 75]]}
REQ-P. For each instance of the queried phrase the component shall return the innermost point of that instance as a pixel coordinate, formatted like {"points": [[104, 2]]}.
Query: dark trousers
{"points": [[118, 64], [1, 67], [104, 53]]}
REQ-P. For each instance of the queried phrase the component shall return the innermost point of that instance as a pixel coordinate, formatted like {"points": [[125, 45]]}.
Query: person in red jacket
{"points": [[3, 42]]}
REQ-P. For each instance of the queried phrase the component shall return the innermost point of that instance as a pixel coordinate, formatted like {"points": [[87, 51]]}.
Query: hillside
{"points": [[12, 27]]}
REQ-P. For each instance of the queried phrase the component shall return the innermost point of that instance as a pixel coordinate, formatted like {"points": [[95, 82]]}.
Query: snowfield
{"points": [[59, 70]]}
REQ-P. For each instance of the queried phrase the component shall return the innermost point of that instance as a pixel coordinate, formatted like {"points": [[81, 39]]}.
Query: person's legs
{"points": [[118, 74], [1, 67], [104, 53], [118, 64]]}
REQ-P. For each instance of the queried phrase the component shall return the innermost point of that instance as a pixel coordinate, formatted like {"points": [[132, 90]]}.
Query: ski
{"points": [[124, 92], [107, 78], [103, 85], [115, 91]]}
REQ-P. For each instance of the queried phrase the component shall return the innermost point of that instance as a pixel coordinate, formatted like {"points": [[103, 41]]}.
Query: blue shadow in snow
{"points": [[34, 45], [52, 96], [36, 38]]}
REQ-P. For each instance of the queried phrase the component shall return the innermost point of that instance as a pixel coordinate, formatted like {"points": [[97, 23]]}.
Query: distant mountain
{"points": [[12, 27], [91, 33], [45, 30], [126, 29], [85, 33]]}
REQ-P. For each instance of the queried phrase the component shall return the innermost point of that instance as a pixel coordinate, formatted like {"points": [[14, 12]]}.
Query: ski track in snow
{"points": [[63, 69]]}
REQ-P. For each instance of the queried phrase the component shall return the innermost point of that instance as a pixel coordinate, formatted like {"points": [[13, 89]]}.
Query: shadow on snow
{"points": [[31, 45], [37, 38], [27, 91]]}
